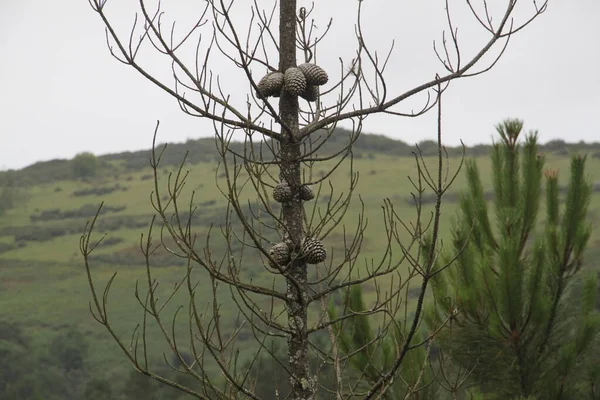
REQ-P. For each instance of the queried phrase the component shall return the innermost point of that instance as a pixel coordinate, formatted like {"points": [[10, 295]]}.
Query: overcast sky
{"points": [[62, 93]]}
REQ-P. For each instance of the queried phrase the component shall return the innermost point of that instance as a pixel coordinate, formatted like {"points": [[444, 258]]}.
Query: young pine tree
{"points": [[368, 351], [517, 323]]}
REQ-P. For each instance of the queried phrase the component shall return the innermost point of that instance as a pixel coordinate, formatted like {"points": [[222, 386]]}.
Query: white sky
{"points": [[62, 93]]}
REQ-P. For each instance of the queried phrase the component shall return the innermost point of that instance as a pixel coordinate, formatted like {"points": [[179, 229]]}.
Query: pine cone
{"points": [[314, 74], [313, 250], [280, 253], [294, 81], [270, 85], [306, 193], [282, 193], [311, 93]]}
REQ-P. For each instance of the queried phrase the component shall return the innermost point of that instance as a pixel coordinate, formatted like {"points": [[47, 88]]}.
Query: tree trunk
{"points": [[303, 385]]}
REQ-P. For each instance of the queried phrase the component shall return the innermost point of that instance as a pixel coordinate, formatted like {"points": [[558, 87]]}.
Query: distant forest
{"points": [[203, 150]]}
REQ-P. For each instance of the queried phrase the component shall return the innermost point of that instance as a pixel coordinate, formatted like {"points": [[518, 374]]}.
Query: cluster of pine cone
{"points": [[311, 249], [283, 193], [303, 81]]}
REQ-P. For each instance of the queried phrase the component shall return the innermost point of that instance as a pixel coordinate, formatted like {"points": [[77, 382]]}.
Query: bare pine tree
{"points": [[281, 211]]}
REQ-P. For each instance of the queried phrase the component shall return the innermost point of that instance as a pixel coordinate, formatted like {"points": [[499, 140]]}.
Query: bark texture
{"points": [[303, 383]]}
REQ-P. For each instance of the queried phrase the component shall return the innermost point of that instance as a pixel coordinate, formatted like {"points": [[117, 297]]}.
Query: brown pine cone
{"points": [[280, 253], [311, 93], [294, 81], [313, 250], [282, 193], [306, 193], [314, 74], [270, 85]]}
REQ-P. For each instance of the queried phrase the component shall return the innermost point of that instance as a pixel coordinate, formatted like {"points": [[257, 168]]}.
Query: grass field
{"points": [[43, 285]]}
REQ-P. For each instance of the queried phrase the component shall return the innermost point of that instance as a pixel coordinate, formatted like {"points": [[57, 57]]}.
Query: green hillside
{"points": [[43, 285]]}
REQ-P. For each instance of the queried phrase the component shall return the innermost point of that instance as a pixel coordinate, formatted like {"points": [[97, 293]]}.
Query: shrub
{"points": [[98, 191], [85, 211], [84, 165]]}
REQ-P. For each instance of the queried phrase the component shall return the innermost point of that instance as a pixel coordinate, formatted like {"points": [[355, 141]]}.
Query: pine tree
{"points": [[369, 352], [514, 318]]}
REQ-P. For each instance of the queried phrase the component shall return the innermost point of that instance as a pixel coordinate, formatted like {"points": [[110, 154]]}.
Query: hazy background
{"points": [[62, 93]]}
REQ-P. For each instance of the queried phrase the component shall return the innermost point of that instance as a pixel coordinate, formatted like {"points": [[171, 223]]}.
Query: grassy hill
{"points": [[43, 286]]}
